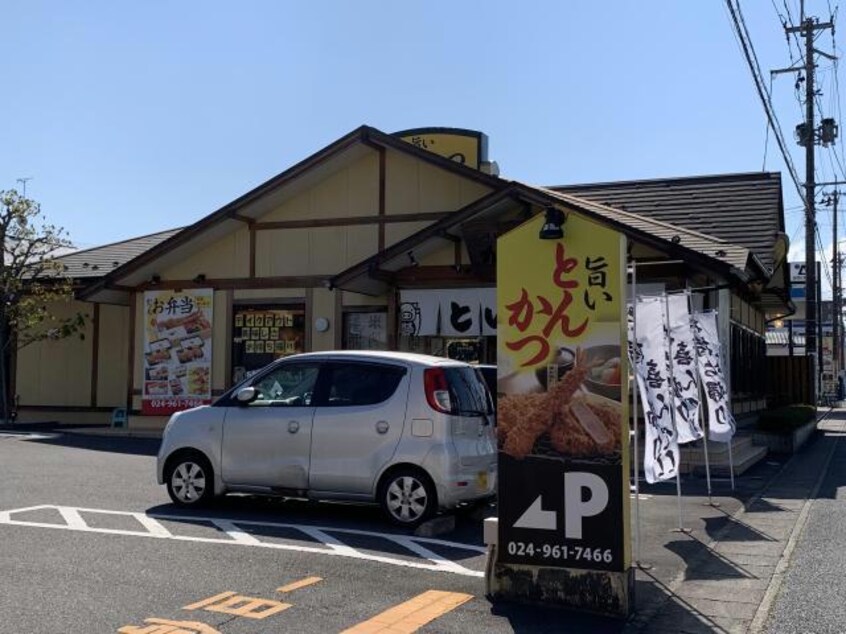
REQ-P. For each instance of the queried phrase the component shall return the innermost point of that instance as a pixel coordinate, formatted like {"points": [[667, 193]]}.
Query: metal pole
{"points": [[731, 463], [668, 339], [820, 364], [638, 561], [703, 418]]}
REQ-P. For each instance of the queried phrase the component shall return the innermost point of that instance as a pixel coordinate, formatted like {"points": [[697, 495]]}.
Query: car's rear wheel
{"points": [[190, 480], [408, 497]]}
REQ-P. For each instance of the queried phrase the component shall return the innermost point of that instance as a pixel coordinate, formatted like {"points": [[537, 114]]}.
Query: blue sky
{"points": [[138, 117]]}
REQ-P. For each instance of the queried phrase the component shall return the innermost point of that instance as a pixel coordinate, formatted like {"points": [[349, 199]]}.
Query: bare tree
{"points": [[32, 283]]}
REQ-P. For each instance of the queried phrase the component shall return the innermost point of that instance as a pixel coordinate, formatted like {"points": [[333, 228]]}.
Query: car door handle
{"points": [[293, 427], [382, 427]]}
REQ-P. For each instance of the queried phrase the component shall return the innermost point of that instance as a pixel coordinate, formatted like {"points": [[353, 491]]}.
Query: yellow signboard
{"points": [[467, 147], [562, 416]]}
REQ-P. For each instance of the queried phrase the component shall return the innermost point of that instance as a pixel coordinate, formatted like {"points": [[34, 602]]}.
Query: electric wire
{"points": [[752, 61]]}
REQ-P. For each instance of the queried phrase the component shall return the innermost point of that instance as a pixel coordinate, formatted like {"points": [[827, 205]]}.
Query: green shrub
{"points": [[786, 419]]}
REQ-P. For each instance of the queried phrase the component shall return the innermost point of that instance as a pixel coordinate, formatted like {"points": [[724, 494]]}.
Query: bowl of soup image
{"points": [[605, 372], [563, 362]]}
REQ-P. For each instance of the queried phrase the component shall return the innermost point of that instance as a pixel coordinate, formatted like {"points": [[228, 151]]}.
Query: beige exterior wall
{"points": [[58, 372], [323, 305], [400, 231], [113, 356], [414, 186], [221, 341], [138, 359], [352, 191], [227, 258], [315, 251]]}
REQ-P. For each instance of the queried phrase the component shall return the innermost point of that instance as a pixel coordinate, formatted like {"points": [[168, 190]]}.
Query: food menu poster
{"points": [[561, 415], [177, 350], [269, 332]]}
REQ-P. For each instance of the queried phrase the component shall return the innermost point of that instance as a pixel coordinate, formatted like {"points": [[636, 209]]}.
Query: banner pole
{"points": [[731, 463], [668, 338], [710, 502], [638, 561], [704, 418]]}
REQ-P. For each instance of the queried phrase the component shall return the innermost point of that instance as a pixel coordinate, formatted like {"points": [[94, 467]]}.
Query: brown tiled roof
{"points": [[98, 261], [744, 209], [714, 248]]}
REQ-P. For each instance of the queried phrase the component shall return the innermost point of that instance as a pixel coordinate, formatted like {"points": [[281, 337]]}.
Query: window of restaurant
{"points": [[365, 329], [264, 333]]}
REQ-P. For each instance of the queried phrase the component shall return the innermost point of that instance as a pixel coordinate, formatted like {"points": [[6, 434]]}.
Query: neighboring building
{"points": [[380, 241]]}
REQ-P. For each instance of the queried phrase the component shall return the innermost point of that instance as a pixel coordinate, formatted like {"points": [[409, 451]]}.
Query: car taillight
{"points": [[437, 390]]}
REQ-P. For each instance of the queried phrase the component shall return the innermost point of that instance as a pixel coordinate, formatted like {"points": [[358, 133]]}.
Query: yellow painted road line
{"points": [[166, 626], [210, 600], [302, 583], [239, 605], [249, 607], [410, 616]]}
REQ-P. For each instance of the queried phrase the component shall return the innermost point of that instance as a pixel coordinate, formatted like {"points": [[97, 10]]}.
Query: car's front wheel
{"points": [[190, 480], [408, 497]]}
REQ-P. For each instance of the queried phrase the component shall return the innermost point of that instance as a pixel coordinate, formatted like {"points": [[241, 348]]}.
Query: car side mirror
{"points": [[246, 395]]}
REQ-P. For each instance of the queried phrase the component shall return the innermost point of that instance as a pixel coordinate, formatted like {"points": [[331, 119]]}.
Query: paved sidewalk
{"points": [[733, 573]]}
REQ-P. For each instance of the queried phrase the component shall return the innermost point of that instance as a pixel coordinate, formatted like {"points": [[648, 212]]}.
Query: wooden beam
{"points": [[445, 275], [382, 197], [240, 283], [316, 223], [309, 319], [95, 353], [252, 250], [393, 319], [237, 216], [339, 318], [227, 349]]}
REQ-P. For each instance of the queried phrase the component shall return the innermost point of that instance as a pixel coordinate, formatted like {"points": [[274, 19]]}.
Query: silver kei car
{"points": [[411, 432]]}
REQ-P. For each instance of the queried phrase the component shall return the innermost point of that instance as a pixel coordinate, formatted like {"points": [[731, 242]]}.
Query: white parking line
{"points": [[329, 544]]}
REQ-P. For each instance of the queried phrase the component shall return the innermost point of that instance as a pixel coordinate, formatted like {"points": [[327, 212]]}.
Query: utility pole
{"points": [[835, 293], [807, 137]]}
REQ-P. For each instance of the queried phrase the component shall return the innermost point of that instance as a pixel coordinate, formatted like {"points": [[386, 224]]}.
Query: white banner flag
{"points": [[721, 425], [661, 451], [683, 357]]}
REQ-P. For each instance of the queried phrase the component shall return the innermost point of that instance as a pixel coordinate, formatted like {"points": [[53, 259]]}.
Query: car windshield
{"points": [[467, 391]]}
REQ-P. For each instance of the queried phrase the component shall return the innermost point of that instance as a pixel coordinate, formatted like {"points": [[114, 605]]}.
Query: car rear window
{"points": [[354, 384], [467, 391]]}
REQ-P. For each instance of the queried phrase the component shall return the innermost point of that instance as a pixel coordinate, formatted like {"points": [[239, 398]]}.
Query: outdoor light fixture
{"points": [[200, 278], [552, 224], [155, 279], [411, 259]]}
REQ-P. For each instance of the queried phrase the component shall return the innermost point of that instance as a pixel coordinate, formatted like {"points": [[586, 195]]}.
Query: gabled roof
{"points": [[710, 253], [745, 209], [99, 261], [253, 204]]}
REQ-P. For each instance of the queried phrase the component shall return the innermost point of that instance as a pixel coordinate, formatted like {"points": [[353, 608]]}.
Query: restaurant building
{"points": [[377, 241]]}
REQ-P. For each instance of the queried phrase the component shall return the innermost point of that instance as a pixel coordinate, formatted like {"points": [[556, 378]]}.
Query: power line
{"points": [[742, 35]]}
